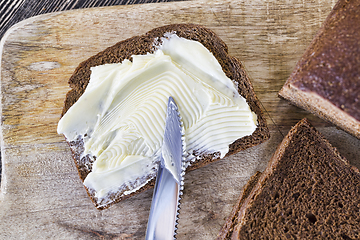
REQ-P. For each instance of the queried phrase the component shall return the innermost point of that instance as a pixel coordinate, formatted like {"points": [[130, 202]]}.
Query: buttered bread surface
{"points": [[121, 114], [220, 112]]}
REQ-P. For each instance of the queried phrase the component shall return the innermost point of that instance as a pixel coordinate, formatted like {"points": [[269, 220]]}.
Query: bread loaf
{"points": [[326, 80]]}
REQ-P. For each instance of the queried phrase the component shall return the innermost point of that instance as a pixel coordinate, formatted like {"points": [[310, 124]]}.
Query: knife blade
{"points": [[169, 180]]}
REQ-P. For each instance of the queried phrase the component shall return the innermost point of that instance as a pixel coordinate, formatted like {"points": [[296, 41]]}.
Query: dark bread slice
{"points": [[308, 191], [145, 44], [326, 80]]}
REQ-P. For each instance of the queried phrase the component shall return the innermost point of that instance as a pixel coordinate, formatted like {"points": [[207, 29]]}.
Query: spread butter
{"points": [[121, 114]]}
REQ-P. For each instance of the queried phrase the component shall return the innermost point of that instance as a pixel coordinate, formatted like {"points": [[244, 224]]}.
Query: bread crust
{"points": [[321, 107], [228, 228], [144, 44]]}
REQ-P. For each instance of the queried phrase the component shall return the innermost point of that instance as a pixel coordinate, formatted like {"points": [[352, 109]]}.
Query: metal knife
{"points": [[169, 180]]}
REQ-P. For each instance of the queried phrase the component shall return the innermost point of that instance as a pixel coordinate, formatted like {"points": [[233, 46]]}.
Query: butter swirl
{"points": [[121, 115]]}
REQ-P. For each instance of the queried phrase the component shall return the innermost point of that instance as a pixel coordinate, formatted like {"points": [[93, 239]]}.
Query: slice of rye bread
{"points": [[145, 44], [307, 191], [326, 80]]}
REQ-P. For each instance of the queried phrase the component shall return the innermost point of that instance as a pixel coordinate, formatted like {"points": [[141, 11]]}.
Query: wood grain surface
{"points": [[41, 195], [14, 11]]}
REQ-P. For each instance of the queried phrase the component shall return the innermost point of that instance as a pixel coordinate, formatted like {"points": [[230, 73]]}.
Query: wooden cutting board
{"points": [[41, 195]]}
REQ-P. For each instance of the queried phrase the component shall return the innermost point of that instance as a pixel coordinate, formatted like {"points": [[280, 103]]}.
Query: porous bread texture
{"points": [[307, 191], [143, 44], [326, 80]]}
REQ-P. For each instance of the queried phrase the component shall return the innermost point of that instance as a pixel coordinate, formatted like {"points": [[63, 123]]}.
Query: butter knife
{"points": [[169, 180]]}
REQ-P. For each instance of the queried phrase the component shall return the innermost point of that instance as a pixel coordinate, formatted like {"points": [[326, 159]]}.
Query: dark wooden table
{"points": [[14, 11]]}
